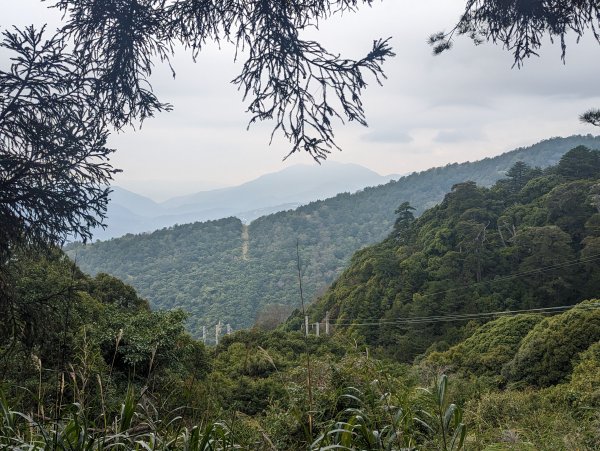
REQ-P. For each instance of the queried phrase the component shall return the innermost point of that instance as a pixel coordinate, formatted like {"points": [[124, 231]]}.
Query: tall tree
{"points": [[403, 222], [579, 162], [54, 165], [518, 175]]}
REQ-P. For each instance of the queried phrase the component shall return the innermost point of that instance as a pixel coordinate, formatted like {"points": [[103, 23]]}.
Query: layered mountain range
{"points": [[228, 271], [129, 212]]}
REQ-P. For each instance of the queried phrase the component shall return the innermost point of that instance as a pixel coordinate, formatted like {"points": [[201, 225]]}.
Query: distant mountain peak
{"points": [[295, 185], [218, 273]]}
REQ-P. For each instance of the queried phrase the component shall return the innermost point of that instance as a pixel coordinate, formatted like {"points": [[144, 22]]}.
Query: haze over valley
{"points": [[200, 268], [287, 189]]}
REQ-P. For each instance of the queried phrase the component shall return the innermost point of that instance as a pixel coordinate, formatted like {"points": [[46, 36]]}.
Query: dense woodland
{"points": [[532, 240], [86, 364], [203, 269]]}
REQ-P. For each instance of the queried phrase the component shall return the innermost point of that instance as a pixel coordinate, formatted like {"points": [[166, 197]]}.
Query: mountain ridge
{"points": [[199, 267], [531, 241], [130, 212]]}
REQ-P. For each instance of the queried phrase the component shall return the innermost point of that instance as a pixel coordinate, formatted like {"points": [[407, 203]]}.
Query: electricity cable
{"points": [[519, 274], [482, 315], [465, 317]]}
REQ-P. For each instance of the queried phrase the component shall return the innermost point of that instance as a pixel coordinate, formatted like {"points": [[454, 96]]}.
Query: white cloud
{"points": [[387, 136], [458, 136]]}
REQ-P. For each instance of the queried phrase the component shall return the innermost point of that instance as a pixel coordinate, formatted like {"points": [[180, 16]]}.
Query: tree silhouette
{"points": [[295, 82], [63, 94], [591, 117], [521, 25], [54, 166]]}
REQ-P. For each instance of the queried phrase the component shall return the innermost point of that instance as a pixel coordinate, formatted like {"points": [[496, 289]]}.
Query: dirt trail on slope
{"points": [[245, 241]]}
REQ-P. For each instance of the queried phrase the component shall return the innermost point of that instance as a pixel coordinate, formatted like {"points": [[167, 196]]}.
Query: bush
{"points": [[546, 354], [585, 380], [489, 348], [527, 420]]}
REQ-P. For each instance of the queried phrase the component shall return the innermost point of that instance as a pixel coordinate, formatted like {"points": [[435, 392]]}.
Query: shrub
{"points": [[585, 380], [489, 348], [546, 354]]}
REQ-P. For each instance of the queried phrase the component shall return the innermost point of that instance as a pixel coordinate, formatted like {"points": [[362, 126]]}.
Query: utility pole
{"points": [[204, 334], [327, 322], [217, 332], [317, 328], [306, 347]]}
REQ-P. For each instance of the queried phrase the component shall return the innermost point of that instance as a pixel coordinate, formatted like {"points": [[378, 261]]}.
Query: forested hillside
{"points": [[462, 303], [219, 271], [531, 241], [84, 361]]}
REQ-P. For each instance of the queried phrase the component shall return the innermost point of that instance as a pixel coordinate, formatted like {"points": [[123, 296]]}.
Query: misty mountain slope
{"points": [[136, 203], [129, 212], [199, 267], [299, 183]]}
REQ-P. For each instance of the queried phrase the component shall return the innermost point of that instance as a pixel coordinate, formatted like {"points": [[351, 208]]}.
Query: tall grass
{"points": [[433, 422], [136, 427], [373, 420]]}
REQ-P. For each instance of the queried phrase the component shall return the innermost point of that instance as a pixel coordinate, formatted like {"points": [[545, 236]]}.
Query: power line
{"points": [[377, 321], [518, 274], [465, 317]]}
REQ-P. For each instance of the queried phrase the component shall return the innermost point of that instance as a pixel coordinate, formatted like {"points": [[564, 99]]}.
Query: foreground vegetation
{"points": [[86, 364], [254, 394]]}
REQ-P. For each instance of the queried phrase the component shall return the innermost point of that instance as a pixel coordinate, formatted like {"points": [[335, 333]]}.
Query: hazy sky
{"points": [[463, 105]]}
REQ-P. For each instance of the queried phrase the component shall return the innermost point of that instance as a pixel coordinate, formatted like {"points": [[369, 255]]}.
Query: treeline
{"points": [[201, 267], [86, 364], [58, 323], [89, 366]]}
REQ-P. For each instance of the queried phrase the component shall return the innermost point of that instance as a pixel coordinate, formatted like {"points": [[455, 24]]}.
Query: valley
{"points": [[210, 271], [475, 323], [188, 262]]}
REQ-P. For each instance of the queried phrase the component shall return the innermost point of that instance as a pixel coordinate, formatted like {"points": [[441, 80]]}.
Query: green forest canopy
{"points": [[90, 352], [201, 267], [532, 240]]}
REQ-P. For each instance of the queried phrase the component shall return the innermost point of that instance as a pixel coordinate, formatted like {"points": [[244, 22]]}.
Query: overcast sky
{"points": [[463, 105]]}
